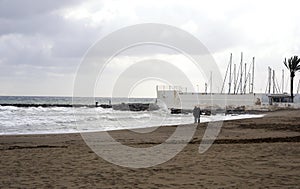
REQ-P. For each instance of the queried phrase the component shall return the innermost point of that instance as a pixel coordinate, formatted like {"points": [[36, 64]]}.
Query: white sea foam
{"points": [[38, 120]]}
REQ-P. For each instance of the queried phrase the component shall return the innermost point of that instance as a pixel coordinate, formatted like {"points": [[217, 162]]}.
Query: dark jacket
{"points": [[196, 112]]}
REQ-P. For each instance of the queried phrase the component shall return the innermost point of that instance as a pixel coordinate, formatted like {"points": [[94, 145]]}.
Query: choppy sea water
{"points": [[51, 120]]}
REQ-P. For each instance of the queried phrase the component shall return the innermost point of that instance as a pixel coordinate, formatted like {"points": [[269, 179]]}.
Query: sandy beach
{"points": [[250, 153]]}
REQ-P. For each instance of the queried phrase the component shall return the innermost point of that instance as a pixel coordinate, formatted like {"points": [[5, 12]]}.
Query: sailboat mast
{"points": [[230, 77], [282, 81], [273, 78], [252, 84], [269, 79], [245, 80], [241, 78], [211, 82]]}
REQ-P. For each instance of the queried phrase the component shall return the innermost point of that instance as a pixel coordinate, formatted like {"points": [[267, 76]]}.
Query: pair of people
{"points": [[196, 113]]}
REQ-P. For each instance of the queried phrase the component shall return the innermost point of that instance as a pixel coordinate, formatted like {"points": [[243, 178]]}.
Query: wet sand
{"points": [[249, 153]]}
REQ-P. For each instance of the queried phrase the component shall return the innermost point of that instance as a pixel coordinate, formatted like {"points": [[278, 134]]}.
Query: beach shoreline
{"points": [[259, 152], [234, 117]]}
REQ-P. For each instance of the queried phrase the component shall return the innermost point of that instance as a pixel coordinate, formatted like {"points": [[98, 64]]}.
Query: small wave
{"points": [[140, 116], [4, 108]]}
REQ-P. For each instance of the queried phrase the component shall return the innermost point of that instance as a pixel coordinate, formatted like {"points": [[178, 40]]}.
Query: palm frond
{"points": [[285, 63], [297, 68], [293, 63]]}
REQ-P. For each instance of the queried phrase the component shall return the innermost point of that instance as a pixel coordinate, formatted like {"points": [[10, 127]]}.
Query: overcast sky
{"points": [[43, 42]]}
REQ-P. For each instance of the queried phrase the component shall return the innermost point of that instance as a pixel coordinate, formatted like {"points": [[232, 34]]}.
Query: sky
{"points": [[42, 43]]}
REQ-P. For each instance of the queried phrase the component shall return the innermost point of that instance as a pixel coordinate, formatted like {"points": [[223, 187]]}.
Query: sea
{"points": [[16, 120]]}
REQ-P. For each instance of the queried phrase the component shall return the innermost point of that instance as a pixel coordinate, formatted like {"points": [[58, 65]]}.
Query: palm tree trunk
{"points": [[292, 87]]}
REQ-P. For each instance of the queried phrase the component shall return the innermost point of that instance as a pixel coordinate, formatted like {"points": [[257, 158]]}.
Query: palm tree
{"points": [[293, 65]]}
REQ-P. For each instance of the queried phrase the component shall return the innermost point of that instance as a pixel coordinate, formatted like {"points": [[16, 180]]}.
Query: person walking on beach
{"points": [[196, 114]]}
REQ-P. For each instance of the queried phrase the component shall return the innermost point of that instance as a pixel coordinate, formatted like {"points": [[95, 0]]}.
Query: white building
{"points": [[175, 97]]}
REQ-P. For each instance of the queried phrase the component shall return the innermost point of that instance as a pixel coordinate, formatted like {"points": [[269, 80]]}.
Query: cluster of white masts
{"points": [[273, 85], [240, 78]]}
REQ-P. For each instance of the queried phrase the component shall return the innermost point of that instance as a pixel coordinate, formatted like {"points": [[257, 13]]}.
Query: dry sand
{"points": [[250, 153]]}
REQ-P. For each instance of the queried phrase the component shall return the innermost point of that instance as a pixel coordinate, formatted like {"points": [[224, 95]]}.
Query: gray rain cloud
{"points": [[43, 42]]}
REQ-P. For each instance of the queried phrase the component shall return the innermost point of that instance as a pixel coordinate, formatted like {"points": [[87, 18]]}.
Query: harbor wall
{"points": [[186, 100]]}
